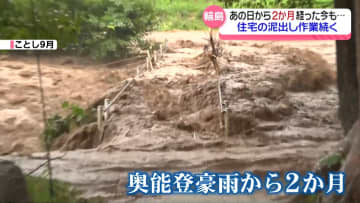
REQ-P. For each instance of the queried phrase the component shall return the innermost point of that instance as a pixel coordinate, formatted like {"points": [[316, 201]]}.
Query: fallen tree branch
{"points": [[118, 95], [44, 164]]}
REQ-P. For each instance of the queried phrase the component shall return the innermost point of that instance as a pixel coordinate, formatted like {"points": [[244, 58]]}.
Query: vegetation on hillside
{"points": [[278, 3], [187, 14], [108, 29], [101, 28], [182, 14]]}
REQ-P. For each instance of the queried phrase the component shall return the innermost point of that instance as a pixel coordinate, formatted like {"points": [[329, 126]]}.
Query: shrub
{"points": [[101, 28], [113, 26], [58, 125]]}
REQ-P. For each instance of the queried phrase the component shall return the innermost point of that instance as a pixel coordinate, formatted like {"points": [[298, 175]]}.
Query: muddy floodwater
{"points": [[281, 96]]}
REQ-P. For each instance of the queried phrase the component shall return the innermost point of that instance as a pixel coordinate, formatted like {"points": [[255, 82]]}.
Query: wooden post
{"points": [[155, 57], [118, 95], [151, 65], [107, 105], [161, 51], [165, 45], [213, 54], [106, 110], [147, 63], [100, 122], [99, 117], [148, 54], [220, 95], [221, 105], [149, 60], [226, 121]]}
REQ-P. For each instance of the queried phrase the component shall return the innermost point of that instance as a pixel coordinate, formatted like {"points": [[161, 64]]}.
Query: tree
{"points": [[347, 63], [348, 74], [100, 28], [348, 68]]}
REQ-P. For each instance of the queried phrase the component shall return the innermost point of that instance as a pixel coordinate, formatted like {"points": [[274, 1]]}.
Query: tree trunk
{"points": [[348, 77], [348, 58], [352, 168], [352, 164], [356, 26], [346, 72]]}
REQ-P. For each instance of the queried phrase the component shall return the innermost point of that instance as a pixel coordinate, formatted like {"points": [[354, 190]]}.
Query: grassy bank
{"points": [[182, 14], [38, 189]]}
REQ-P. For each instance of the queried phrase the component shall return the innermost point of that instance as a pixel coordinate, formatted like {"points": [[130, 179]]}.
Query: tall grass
{"points": [[324, 4], [182, 14], [38, 189]]}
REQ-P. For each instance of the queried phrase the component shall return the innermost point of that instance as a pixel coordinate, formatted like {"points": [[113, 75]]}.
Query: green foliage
{"points": [[182, 14], [324, 4], [187, 14], [113, 25], [257, 4], [278, 3], [152, 46], [299, 3], [58, 125], [102, 28], [111, 28], [55, 127], [311, 198], [38, 189], [78, 116], [332, 160]]}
